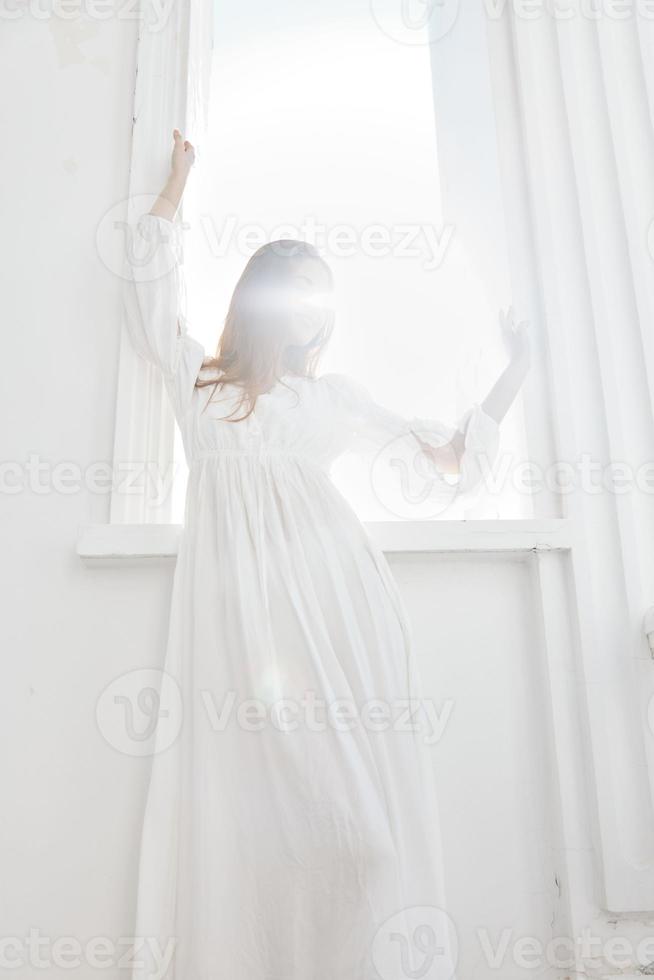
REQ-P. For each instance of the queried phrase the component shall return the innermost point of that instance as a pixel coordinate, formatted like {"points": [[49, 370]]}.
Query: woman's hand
{"points": [[501, 396], [183, 156], [516, 336], [181, 162]]}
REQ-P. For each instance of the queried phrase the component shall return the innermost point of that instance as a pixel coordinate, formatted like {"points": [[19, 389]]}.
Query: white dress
{"points": [[278, 843]]}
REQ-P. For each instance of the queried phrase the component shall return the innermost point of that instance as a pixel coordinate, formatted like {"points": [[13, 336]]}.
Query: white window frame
{"points": [[166, 94]]}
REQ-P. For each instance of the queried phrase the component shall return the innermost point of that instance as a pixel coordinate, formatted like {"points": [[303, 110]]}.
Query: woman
{"points": [[295, 814]]}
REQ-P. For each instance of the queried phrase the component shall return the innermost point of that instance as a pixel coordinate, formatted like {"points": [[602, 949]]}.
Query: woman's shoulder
{"points": [[346, 390], [342, 383]]}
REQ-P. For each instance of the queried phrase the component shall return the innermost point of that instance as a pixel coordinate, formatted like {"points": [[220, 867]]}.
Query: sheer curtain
{"points": [[582, 216], [171, 90]]}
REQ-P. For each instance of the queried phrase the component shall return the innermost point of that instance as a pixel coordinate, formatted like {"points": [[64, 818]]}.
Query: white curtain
{"points": [[171, 90], [583, 203]]}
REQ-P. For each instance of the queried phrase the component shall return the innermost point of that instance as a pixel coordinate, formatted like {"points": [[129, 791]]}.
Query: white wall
{"points": [[476, 630], [70, 807]]}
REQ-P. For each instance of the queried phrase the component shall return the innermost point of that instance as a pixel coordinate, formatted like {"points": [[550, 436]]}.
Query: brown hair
{"points": [[254, 351]]}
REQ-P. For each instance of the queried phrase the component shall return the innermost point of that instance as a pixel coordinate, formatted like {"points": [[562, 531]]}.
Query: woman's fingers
{"points": [[183, 155], [509, 323], [179, 140]]}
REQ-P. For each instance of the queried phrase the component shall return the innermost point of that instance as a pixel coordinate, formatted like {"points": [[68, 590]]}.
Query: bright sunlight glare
{"points": [[324, 130]]}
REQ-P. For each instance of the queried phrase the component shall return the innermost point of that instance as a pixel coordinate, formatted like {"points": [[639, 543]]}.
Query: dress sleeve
{"points": [[375, 431], [157, 326]]}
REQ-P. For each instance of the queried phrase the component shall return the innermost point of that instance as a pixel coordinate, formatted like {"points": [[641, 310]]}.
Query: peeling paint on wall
{"points": [[69, 38]]}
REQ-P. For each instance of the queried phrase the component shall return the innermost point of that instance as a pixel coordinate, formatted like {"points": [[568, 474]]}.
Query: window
{"points": [[384, 149]]}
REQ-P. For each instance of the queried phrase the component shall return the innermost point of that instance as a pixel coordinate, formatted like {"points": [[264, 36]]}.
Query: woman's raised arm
{"points": [[501, 396], [447, 458], [155, 317], [181, 162]]}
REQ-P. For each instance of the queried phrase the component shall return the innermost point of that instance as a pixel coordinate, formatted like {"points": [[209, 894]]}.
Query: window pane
{"points": [[322, 127]]}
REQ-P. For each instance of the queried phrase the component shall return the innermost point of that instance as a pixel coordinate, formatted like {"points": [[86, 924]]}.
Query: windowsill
{"points": [[120, 543]]}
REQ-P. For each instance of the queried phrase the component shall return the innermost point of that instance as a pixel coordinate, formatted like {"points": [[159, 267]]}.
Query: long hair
{"points": [[255, 350]]}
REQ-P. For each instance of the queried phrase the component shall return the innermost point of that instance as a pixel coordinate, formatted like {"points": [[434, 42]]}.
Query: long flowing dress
{"points": [[292, 826]]}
